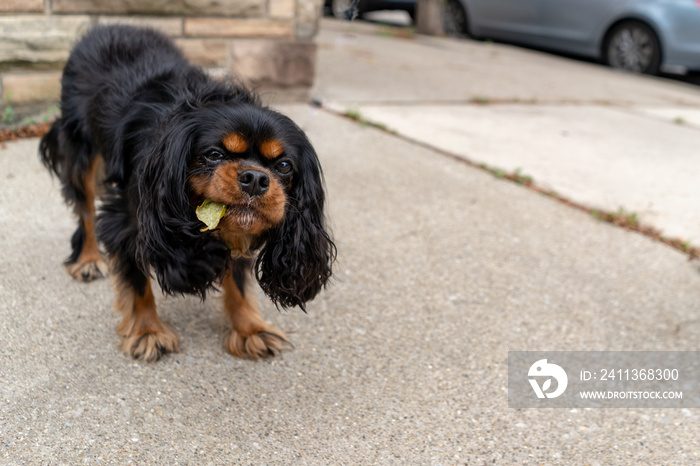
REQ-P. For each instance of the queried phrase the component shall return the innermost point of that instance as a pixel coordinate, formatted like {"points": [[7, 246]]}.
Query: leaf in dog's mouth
{"points": [[210, 212]]}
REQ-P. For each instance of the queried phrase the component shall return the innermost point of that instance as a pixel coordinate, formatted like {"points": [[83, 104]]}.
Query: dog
{"points": [[153, 137]]}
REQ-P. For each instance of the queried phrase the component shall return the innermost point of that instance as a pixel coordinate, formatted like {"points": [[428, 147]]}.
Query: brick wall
{"points": [[267, 43]]}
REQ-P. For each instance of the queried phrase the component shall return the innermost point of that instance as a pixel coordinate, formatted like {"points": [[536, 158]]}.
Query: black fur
{"points": [[287, 268], [129, 95]]}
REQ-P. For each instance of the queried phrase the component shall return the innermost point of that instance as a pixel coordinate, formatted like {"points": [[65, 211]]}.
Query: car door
{"points": [[515, 20], [575, 25]]}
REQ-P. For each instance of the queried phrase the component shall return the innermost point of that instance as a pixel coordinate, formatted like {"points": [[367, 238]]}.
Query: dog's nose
{"points": [[254, 182]]}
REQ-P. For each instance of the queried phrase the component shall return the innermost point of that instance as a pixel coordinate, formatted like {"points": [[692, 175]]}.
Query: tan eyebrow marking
{"points": [[271, 148], [235, 143]]}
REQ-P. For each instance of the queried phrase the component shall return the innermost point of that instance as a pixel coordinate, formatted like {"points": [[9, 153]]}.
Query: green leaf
{"points": [[210, 213]]}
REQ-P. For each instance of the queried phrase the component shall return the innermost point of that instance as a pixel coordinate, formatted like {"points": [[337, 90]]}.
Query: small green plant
{"points": [[353, 114], [520, 178], [679, 121], [8, 115], [497, 172], [398, 32], [624, 218], [27, 121], [480, 100], [51, 113], [386, 31], [620, 218]]}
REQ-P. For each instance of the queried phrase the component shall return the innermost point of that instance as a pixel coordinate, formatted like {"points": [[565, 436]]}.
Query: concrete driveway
{"points": [[442, 270]]}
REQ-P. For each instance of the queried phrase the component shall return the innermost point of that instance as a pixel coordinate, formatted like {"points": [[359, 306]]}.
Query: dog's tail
{"points": [[50, 150]]}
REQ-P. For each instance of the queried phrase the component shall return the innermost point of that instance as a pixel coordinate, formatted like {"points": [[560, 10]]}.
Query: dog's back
{"points": [[108, 105], [106, 49], [99, 83]]}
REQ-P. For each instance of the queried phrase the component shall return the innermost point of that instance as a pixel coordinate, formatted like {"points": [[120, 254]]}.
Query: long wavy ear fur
{"points": [[184, 259], [296, 261]]}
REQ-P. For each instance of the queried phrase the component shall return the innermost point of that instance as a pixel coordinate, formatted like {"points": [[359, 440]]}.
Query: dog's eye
{"points": [[214, 155], [284, 167]]}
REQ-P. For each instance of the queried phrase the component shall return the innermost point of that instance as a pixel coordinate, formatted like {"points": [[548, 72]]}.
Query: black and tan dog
{"points": [[155, 137]]}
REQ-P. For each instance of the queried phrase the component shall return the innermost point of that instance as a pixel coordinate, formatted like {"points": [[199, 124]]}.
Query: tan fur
{"points": [[238, 243], [144, 335], [249, 336], [255, 214], [271, 148], [235, 143], [89, 265]]}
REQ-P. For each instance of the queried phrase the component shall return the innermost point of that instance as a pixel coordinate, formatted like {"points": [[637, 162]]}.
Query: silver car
{"points": [[643, 36]]}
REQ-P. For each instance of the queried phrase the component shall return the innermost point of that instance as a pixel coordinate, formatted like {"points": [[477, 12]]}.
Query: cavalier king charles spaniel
{"points": [[154, 138]]}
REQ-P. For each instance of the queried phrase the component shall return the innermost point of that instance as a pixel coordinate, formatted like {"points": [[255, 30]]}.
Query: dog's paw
{"points": [[260, 344], [87, 271], [150, 345]]}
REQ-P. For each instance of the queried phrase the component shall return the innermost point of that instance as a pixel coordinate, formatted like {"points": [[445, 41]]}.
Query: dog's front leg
{"points": [[249, 334], [145, 336]]}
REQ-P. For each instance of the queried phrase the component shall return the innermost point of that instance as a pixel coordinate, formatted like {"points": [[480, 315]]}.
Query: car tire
{"points": [[633, 46], [339, 7], [454, 19]]}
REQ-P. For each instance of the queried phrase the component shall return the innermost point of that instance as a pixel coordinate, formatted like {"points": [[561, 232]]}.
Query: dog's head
{"points": [[262, 167]]}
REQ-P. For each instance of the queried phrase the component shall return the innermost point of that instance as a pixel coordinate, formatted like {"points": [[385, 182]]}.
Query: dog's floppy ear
{"points": [[297, 258], [169, 241]]}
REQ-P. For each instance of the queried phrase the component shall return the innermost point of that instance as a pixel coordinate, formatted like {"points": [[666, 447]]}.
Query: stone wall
{"points": [[267, 43]]}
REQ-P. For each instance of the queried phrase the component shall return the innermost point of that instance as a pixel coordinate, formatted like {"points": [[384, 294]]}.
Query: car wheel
{"points": [[633, 46], [454, 19], [339, 8]]}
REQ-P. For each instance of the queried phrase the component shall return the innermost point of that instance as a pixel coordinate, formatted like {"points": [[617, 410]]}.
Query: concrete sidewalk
{"points": [[442, 270], [605, 139]]}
